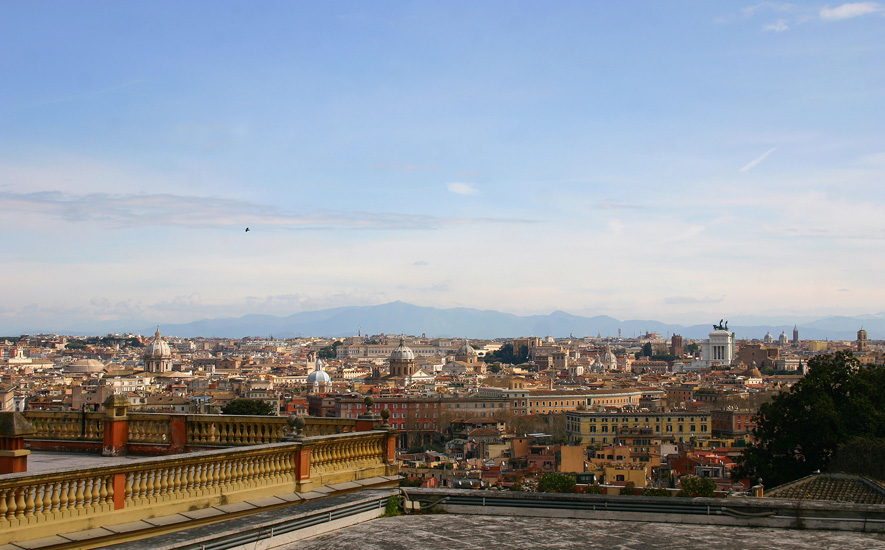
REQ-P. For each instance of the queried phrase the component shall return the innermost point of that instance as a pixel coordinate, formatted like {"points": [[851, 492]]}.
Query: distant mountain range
{"points": [[400, 317]]}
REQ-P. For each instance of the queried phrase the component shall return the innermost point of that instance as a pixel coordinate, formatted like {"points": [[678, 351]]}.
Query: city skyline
{"points": [[644, 161]]}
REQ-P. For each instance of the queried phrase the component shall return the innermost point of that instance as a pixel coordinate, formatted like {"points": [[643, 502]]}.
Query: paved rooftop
{"points": [[43, 461], [496, 532]]}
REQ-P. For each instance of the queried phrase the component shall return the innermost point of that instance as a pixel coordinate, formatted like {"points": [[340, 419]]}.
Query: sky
{"points": [[680, 161]]}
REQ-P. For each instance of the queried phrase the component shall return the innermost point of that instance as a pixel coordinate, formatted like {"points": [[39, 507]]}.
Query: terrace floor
{"points": [[458, 532]]}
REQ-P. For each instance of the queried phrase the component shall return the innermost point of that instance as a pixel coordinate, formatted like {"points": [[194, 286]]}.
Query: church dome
{"points": [[466, 349], [158, 348], [85, 366], [402, 352], [319, 376]]}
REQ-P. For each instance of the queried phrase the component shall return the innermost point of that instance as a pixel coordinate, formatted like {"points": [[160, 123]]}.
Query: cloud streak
{"points": [[755, 162], [146, 210], [850, 10], [462, 188]]}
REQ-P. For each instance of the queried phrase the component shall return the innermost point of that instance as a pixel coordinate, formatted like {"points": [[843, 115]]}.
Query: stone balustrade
{"points": [[118, 431], [67, 425], [42, 504]]}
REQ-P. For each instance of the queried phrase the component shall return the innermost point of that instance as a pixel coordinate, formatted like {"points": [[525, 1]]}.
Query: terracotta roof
{"points": [[838, 487]]}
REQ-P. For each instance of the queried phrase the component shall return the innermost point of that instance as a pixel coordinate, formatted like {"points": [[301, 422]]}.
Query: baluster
{"points": [[11, 506], [164, 480], [212, 472], [149, 483], [62, 495], [109, 483], [46, 501], [80, 498], [72, 493], [95, 497], [190, 477], [4, 508], [204, 478], [127, 492], [103, 490], [19, 502], [173, 480]]}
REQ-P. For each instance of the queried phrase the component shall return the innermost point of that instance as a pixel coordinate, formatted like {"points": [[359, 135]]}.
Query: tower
{"points": [[861, 340], [677, 348], [795, 334]]}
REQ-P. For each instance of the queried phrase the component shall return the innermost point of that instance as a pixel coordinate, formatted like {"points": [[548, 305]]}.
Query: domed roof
{"points": [[158, 348], [319, 376], [402, 352], [85, 366], [466, 349]]}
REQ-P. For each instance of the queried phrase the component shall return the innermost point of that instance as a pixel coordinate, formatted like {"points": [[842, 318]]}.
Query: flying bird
{"points": [[247, 230]]}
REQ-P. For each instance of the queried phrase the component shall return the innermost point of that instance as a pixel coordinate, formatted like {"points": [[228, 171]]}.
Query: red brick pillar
{"points": [[302, 464], [14, 427], [116, 426], [177, 433], [392, 436]]}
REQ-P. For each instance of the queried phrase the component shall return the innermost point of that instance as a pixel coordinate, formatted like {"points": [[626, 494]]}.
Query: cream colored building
{"points": [[603, 427]]}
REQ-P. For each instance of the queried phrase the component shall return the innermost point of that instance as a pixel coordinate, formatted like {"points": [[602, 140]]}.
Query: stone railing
{"points": [[118, 431], [60, 501], [68, 425]]}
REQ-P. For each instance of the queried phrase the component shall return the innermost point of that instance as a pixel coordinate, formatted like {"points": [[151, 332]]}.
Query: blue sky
{"points": [[674, 160]]}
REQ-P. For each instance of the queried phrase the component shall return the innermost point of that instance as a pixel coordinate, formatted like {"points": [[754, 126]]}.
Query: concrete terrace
{"points": [[457, 532]]}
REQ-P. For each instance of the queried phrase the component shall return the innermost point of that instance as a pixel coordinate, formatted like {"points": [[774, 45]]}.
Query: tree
{"points": [[247, 407], [697, 487], [556, 483], [330, 351], [799, 431], [861, 456], [628, 489]]}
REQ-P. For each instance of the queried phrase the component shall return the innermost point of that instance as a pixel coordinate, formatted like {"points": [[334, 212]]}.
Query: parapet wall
{"points": [[746, 512]]}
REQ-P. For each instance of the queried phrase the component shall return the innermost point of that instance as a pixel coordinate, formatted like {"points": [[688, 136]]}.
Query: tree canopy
{"points": [[508, 355], [799, 431], [556, 483], [247, 407]]}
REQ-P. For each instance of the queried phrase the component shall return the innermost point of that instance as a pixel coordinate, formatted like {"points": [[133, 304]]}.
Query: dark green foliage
{"points": [[391, 508], [329, 352], [692, 348], [507, 355], [247, 407], [629, 489], [799, 431], [594, 489], [655, 492], [861, 456], [697, 487], [556, 483], [411, 482]]}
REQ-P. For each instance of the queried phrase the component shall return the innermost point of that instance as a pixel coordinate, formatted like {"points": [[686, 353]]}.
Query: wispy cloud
{"points": [[614, 206], [680, 300], [462, 188], [144, 210], [850, 10], [755, 162], [750, 11], [420, 262], [778, 26]]}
